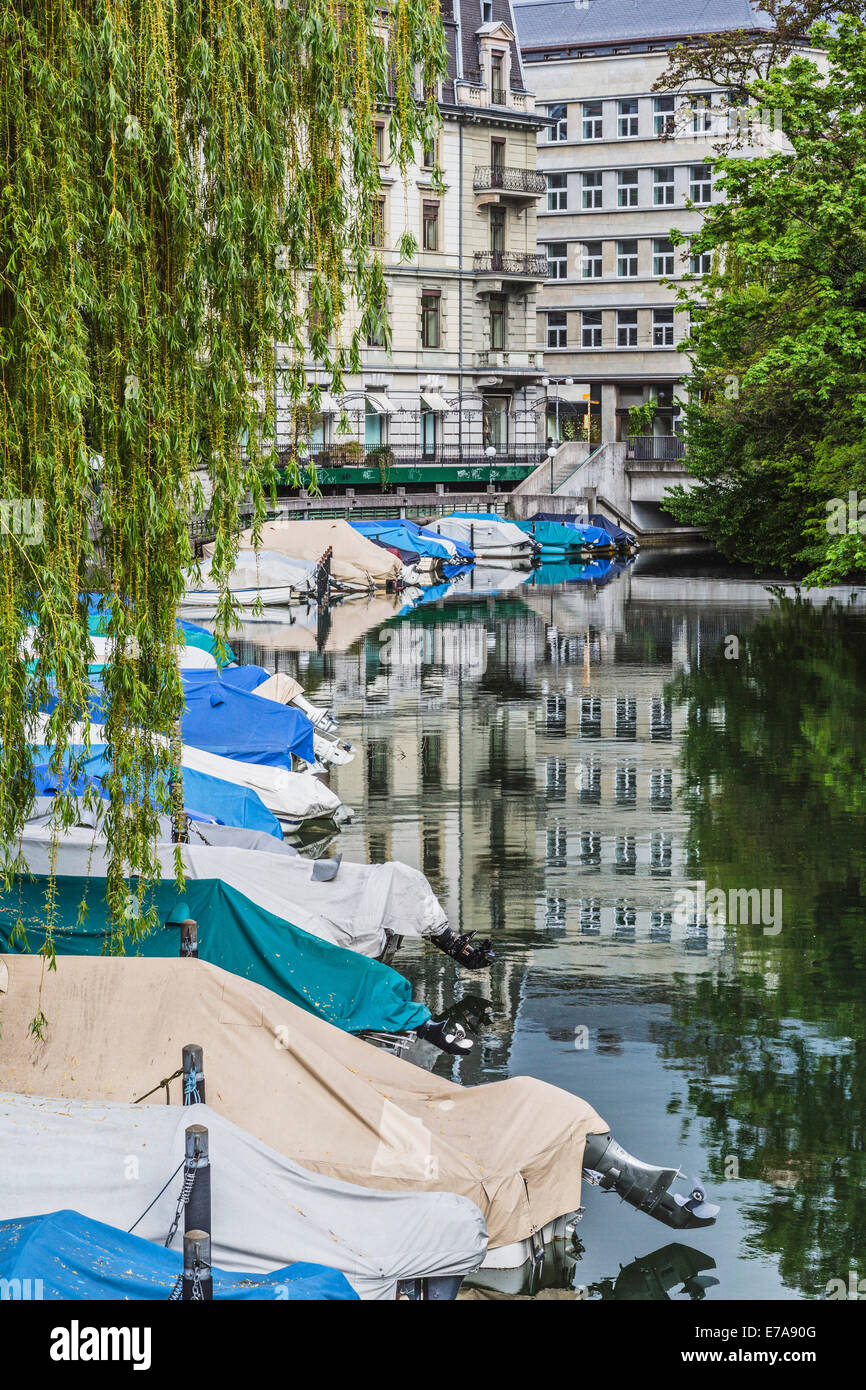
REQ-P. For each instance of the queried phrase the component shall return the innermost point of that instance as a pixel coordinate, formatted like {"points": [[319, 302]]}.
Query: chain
{"points": [[176, 1294], [188, 1180]]}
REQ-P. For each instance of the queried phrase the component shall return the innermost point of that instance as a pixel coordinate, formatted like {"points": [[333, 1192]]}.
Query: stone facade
{"points": [[460, 384]]}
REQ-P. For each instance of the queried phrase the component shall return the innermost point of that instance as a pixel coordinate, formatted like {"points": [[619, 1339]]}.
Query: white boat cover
{"points": [[264, 573], [484, 536], [109, 1160], [188, 658], [355, 909], [331, 1102], [294, 797], [355, 560]]}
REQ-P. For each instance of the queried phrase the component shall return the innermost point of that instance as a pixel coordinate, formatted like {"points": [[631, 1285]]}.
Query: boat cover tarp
{"points": [[246, 677], [257, 571], [397, 536], [78, 1259], [592, 535], [553, 535], [203, 794], [355, 560], [603, 523], [342, 986], [293, 796], [355, 909], [234, 724], [482, 531], [329, 1101], [194, 634], [267, 1211]]}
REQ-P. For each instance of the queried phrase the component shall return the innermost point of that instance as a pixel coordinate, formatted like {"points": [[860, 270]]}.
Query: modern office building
{"points": [[455, 398], [623, 164]]}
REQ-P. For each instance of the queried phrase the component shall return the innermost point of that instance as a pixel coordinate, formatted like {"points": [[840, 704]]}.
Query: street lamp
{"points": [[551, 454]]}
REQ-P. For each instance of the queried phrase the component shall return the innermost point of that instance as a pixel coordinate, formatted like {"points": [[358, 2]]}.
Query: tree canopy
{"points": [[778, 337]]}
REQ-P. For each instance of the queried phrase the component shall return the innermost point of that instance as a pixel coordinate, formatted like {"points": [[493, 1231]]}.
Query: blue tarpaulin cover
{"points": [[553, 535], [401, 535], [78, 1259], [238, 677], [601, 523], [343, 987], [203, 795]]}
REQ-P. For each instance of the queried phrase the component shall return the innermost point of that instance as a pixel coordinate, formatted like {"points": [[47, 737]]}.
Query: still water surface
{"points": [[560, 759]]}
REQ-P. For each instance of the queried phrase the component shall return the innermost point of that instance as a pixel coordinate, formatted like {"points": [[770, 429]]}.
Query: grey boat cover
{"points": [[113, 1027], [356, 909], [109, 1161]]}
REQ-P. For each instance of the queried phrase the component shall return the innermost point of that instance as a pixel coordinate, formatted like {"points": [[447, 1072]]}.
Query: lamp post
{"points": [[556, 382], [551, 454]]}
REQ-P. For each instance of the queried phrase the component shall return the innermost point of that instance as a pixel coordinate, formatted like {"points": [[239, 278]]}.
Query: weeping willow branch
{"points": [[186, 185]]}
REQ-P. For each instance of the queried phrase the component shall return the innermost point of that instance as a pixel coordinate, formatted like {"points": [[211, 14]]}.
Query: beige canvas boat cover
{"points": [[279, 687], [354, 559], [330, 1102]]}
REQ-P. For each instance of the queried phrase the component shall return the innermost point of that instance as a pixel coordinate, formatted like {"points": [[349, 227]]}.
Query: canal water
{"points": [[576, 766]]}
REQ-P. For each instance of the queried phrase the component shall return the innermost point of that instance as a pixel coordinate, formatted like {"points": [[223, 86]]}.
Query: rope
{"points": [[190, 1087], [164, 1082], [157, 1197]]}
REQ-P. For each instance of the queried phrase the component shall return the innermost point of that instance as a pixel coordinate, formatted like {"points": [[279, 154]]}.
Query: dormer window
{"points": [[486, 11]]}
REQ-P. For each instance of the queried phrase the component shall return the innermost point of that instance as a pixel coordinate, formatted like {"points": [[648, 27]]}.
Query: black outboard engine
{"points": [[475, 955], [606, 1164], [447, 1035]]}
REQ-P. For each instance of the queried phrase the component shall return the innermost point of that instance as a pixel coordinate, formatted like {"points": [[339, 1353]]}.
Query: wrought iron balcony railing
{"points": [[655, 448], [530, 263], [508, 180], [353, 454]]}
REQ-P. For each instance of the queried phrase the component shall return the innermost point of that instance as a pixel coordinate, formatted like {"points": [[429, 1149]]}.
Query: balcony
{"points": [[470, 90], [517, 187], [655, 448], [511, 265], [505, 360]]}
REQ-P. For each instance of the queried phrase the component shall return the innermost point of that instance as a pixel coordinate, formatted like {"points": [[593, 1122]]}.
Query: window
{"points": [[664, 109], [428, 154], [557, 260], [375, 333], [626, 328], [497, 157], [590, 328], [497, 79], [663, 186], [431, 227], [700, 183], [663, 256], [498, 304], [557, 192], [663, 327], [494, 422], [557, 329], [430, 318], [628, 118], [593, 120], [626, 188], [626, 258], [591, 191], [375, 424], [486, 11], [702, 115], [379, 134], [590, 261], [428, 431], [559, 115], [497, 229], [377, 223], [701, 262]]}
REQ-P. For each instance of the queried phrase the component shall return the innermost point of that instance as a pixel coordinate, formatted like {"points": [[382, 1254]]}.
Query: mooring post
{"points": [[193, 1075], [197, 1212], [197, 1276], [189, 938]]}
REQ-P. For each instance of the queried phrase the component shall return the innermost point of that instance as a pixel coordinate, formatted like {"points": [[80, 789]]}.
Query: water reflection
{"points": [[560, 760]]}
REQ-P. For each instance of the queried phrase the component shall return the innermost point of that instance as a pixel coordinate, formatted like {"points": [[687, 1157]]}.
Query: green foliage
{"points": [[775, 423], [185, 185], [640, 418]]}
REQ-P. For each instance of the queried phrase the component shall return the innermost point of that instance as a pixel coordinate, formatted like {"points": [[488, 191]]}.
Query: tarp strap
{"points": [[164, 1082], [157, 1197]]}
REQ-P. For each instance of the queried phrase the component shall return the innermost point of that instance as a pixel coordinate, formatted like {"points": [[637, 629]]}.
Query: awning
{"points": [[379, 403], [330, 405], [433, 401]]}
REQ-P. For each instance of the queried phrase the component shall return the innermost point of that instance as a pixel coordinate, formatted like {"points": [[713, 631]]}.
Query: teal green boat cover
{"points": [[343, 987]]}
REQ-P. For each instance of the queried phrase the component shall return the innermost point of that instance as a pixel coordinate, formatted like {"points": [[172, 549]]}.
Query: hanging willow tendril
{"points": [[187, 198]]}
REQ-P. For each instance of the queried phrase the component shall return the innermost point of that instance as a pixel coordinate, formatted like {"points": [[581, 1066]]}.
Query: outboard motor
{"points": [[447, 1035], [475, 955], [606, 1164]]}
